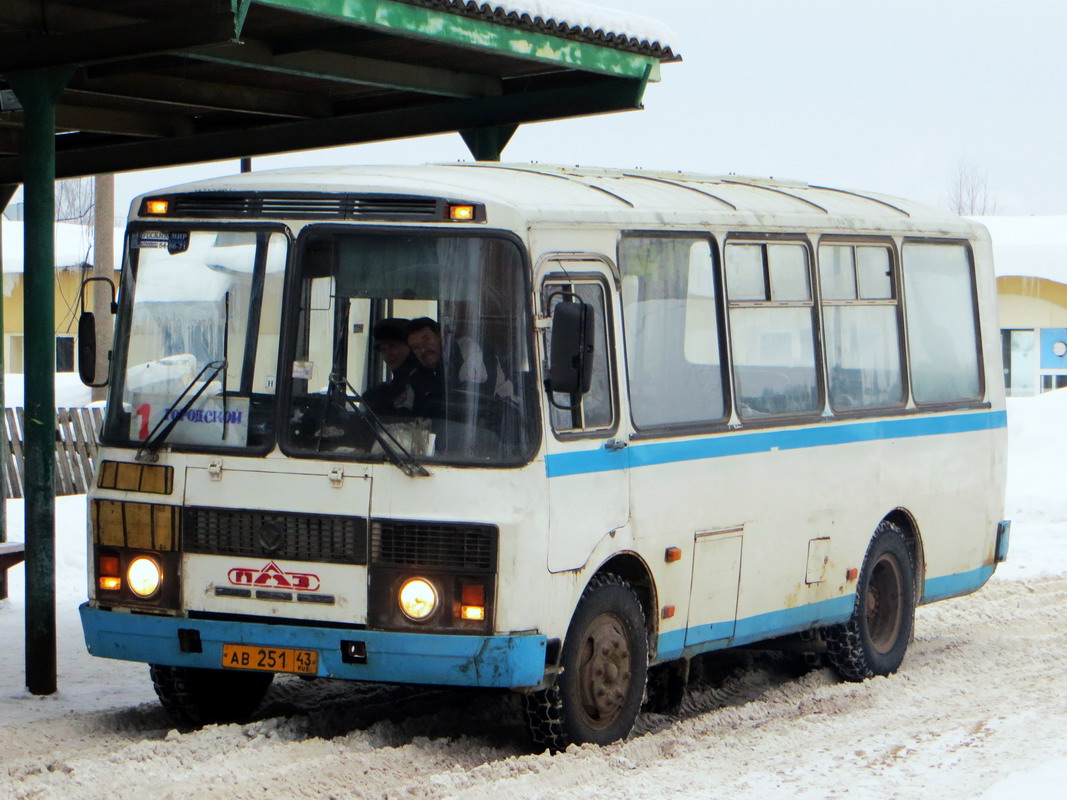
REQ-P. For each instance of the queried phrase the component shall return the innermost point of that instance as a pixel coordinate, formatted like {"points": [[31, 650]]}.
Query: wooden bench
{"points": [[11, 553]]}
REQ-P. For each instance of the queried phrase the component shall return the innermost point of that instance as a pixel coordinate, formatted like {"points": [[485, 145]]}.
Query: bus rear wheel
{"points": [[598, 694], [193, 697], [875, 638]]}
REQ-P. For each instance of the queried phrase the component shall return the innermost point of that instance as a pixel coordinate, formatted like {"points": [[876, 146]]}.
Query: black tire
{"points": [[194, 697], [598, 693], [875, 638]]}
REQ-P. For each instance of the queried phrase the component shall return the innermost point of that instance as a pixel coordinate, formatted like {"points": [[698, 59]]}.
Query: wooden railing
{"points": [[76, 431]]}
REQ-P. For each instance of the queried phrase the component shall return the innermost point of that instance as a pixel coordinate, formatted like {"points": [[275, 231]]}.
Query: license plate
{"points": [[270, 659]]}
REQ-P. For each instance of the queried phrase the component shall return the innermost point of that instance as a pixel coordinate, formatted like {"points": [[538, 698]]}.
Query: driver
{"points": [[464, 368]]}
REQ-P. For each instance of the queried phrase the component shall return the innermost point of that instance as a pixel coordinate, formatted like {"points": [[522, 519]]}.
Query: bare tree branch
{"points": [[969, 193], [75, 201]]}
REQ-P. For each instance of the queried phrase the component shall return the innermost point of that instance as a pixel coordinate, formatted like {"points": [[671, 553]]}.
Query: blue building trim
{"points": [[436, 659], [733, 444]]}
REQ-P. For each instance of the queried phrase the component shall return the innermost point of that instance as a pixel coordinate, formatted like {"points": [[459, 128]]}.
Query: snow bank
{"points": [[70, 391], [1037, 473]]}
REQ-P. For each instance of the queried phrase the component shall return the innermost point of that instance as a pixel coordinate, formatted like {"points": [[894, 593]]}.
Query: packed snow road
{"points": [[981, 695]]}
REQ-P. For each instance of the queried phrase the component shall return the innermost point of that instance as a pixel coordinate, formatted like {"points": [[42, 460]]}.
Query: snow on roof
{"points": [[572, 19], [1029, 247], [74, 245]]}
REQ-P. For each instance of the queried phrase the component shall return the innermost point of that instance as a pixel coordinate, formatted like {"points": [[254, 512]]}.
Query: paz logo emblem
{"points": [[271, 538], [271, 576]]}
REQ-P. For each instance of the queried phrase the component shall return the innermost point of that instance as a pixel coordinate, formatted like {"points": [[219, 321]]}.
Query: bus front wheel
{"points": [[193, 697], [876, 636], [598, 693]]}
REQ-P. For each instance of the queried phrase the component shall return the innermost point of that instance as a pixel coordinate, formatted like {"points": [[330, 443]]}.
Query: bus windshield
{"points": [[410, 346], [197, 340]]}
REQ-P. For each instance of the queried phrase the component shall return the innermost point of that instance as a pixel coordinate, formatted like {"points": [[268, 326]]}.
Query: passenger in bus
{"points": [[393, 397]]}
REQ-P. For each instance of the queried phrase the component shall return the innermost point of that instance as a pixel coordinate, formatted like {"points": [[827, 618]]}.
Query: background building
{"points": [[1030, 258], [74, 260]]}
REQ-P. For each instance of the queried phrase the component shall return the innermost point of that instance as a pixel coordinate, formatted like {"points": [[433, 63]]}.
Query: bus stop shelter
{"points": [[98, 86]]}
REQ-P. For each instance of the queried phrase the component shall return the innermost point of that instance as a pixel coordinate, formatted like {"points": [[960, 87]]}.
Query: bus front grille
{"points": [[264, 534], [441, 545]]}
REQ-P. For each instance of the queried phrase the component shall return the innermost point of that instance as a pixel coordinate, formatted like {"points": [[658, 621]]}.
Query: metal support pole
{"points": [[103, 267], [38, 92], [7, 191]]}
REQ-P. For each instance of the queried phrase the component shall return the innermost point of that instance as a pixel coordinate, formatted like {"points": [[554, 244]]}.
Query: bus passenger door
{"points": [[588, 479], [716, 577]]}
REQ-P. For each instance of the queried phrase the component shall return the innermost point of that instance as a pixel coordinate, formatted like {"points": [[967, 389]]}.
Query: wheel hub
{"points": [[884, 609], [604, 671]]}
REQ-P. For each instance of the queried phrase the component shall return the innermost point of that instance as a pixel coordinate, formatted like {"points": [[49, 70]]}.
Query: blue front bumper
{"points": [[515, 661]]}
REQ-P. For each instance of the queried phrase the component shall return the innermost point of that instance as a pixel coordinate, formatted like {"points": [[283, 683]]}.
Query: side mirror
{"points": [[570, 363], [87, 349], [87, 337]]}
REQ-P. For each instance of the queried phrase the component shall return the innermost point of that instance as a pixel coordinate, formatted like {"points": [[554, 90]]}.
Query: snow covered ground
{"points": [[979, 709]]}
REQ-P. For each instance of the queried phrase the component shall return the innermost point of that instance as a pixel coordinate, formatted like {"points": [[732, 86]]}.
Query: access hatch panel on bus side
{"points": [[716, 576], [257, 567]]}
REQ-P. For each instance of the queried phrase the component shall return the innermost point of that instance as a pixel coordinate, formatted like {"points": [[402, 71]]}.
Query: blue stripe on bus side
{"points": [[560, 465], [955, 585], [790, 620], [755, 629]]}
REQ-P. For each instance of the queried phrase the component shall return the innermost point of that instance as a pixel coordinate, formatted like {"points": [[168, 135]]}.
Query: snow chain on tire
{"points": [[850, 648], [545, 711]]}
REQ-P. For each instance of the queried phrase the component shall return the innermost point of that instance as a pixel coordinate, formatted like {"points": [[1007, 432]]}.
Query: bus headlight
{"points": [[418, 599], [144, 577]]}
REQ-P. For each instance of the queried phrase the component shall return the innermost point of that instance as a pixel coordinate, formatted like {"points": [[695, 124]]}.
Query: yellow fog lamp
{"points": [[472, 602], [108, 569], [418, 599], [157, 207], [144, 576]]}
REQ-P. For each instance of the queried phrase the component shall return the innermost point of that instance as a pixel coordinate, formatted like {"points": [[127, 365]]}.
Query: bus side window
{"points": [[673, 349], [860, 327], [595, 410], [939, 300], [772, 329]]}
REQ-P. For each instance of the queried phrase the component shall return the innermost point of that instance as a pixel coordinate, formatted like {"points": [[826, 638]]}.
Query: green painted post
{"points": [[7, 191], [38, 92]]}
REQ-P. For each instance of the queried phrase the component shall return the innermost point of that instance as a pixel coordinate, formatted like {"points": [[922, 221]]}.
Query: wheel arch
{"points": [[631, 568], [904, 520]]}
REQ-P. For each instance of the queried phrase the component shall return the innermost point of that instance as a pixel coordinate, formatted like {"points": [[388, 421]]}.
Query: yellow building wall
{"points": [[1031, 303], [67, 309]]}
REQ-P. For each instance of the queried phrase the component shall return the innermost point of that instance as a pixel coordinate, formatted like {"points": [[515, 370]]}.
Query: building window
{"points": [[64, 354]]}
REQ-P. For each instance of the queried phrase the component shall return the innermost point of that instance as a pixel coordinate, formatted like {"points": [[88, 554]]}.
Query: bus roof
{"points": [[546, 194]]}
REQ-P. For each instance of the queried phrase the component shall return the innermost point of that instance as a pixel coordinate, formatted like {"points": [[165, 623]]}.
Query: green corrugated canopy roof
{"points": [[162, 83]]}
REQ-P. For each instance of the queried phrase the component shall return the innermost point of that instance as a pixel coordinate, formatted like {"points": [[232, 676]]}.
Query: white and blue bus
{"points": [[552, 430]]}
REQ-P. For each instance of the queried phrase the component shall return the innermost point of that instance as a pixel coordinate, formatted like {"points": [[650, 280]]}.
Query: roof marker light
{"points": [[461, 213], [156, 207]]}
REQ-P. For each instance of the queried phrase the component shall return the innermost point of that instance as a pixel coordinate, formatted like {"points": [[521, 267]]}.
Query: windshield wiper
{"points": [[398, 455], [161, 431]]}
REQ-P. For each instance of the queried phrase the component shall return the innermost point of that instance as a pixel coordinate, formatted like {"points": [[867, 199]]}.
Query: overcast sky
{"points": [[863, 94]]}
